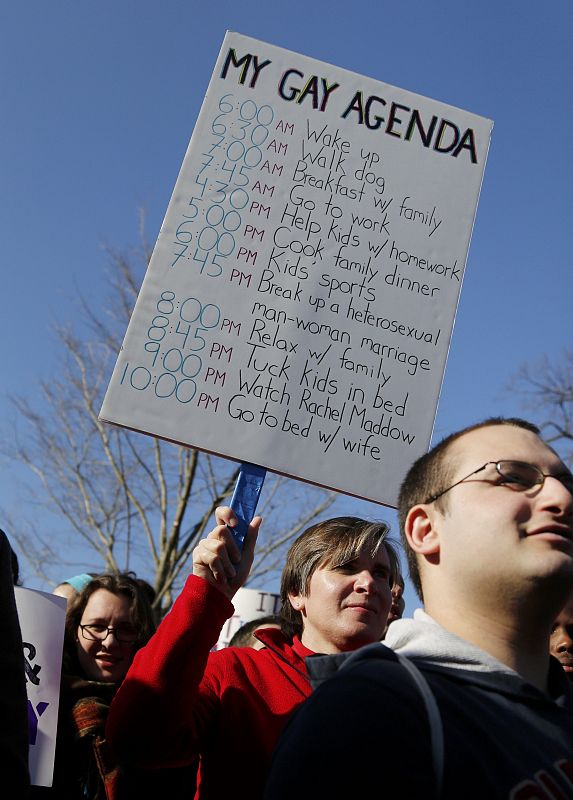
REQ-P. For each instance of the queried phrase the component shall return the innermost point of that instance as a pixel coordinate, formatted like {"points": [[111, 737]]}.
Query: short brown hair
{"points": [[244, 636], [118, 583], [430, 474], [330, 543]]}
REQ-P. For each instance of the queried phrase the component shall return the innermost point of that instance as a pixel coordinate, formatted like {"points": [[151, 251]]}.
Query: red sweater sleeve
{"points": [[165, 704]]}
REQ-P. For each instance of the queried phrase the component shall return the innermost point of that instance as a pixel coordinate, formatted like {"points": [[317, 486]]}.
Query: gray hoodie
{"points": [[448, 721]]}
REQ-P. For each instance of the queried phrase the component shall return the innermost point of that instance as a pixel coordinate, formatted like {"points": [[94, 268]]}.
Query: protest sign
{"points": [[42, 620], [249, 604], [299, 304]]}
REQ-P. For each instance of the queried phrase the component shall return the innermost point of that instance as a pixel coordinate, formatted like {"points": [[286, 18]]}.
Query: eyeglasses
{"points": [[519, 474], [98, 633]]}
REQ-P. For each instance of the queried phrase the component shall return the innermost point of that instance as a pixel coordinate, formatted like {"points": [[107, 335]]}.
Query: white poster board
{"points": [[249, 604], [299, 304], [42, 620]]}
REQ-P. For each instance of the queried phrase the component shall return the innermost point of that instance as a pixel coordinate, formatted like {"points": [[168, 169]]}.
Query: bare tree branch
{"points": [[129, 500], [546, 388]]}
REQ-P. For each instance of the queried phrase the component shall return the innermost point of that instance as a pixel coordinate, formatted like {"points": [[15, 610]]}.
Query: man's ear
{"points": [[421, 530], [296, 601]]}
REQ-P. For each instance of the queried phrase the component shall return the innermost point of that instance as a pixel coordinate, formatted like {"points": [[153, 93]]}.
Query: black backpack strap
{"points": [[380, 650]]}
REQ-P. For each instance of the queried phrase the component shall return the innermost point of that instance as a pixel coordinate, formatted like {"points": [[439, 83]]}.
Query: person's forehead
{"points": [[380, 556], [499, 442], [104, 603], [364, 556], [565, 616], [65, 590]]}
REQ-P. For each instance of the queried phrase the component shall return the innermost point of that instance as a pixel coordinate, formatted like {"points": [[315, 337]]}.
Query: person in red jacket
{"points": [[180, 699]]}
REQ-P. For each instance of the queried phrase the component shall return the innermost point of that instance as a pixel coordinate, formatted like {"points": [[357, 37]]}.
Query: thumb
{"points": [[248, 552]]}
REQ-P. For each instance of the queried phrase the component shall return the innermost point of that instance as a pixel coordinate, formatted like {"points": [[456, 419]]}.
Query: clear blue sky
{"points": [[99, 102]]}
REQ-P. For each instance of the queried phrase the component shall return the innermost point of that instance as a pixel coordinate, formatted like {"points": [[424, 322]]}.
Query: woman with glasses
{"points": [[106, 624]]}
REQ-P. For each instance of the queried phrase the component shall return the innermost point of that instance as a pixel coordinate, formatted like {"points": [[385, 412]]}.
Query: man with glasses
{"points": [[478, 708]]}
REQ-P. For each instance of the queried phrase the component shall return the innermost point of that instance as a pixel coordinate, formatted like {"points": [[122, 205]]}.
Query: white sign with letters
{"points": [[299, 304], [42, 620], [249, 604]]}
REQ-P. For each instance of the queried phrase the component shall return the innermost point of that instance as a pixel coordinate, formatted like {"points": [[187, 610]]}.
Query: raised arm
{"points": [[167, 702]]}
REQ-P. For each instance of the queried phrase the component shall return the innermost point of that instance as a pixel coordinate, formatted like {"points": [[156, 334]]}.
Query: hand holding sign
{"points": [[218, 558]]}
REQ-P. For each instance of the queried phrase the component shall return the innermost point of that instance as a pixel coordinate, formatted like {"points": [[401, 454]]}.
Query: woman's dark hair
{"points": [[15, 568], [118, 583], [243, 636], [14, 563]]}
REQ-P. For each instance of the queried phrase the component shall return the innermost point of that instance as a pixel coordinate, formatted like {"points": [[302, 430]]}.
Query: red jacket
{"points": [[180, 700]]}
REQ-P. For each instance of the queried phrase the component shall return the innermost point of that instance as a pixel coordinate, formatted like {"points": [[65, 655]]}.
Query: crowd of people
{"points": [[339, 694]]}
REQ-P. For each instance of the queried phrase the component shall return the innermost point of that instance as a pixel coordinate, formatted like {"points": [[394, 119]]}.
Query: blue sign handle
{"points": [[245, 498]]}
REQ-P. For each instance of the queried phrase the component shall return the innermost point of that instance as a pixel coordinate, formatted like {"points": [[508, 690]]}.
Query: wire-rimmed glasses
{"points": [[520, 474]]}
